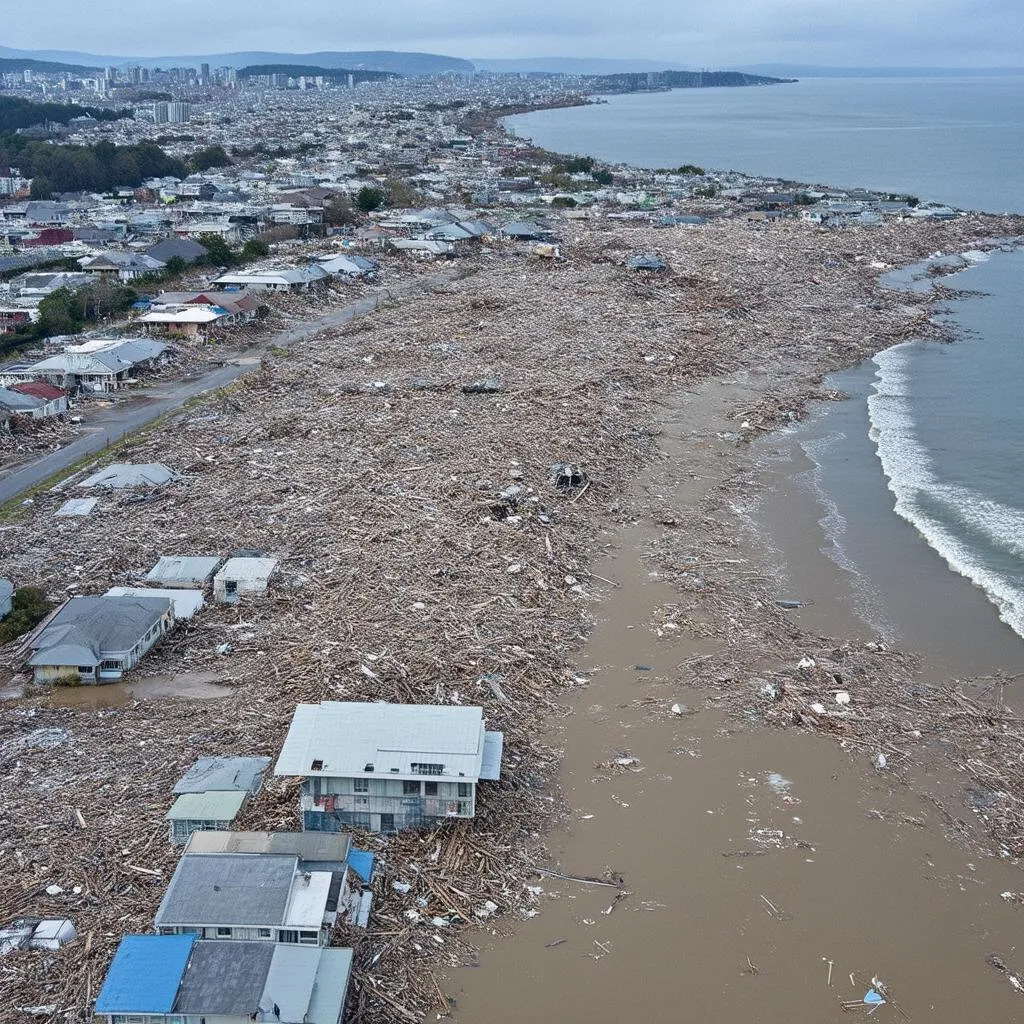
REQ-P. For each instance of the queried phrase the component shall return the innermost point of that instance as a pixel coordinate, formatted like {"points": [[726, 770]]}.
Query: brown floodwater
{"points": [[756, 862], [190, 685]]}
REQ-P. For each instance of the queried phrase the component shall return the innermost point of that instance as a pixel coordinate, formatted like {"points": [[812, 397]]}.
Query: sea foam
{"points": [[911, 478]]}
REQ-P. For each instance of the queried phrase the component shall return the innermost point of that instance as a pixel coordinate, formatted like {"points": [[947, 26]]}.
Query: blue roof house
{"points": [[171, 979]]}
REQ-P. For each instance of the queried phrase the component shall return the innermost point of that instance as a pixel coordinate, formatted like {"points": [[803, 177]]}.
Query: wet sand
{"points": [[751, 858]]}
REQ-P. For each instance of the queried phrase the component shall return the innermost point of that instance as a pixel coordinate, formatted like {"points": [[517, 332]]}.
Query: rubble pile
{"points": [[429, 552]]}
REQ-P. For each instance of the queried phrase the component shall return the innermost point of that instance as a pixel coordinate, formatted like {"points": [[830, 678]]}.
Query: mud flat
{"points": [[756, 865]]}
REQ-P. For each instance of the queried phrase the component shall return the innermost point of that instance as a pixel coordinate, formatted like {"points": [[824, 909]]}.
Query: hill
{"points": [[682, 80], [44, 67], [311, 71], [395, 61]]}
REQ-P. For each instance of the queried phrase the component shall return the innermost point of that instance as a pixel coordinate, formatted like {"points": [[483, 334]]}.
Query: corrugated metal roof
{"points": [[494, 743], [330, 986], [342, 738], [309, 847], [290, 981], [361, 862], [228, 889], [223, 774], [216, 806], [145, 974]]}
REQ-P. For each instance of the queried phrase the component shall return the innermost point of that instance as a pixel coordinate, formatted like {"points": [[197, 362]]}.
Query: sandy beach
{"points": [[409, 572]]}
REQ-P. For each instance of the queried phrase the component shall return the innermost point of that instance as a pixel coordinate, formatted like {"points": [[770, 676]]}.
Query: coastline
{"points": [[361, 461], [589, 375]]}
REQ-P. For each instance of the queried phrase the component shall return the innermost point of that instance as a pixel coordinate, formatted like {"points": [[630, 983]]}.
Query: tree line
{"points": [[16, 113]]}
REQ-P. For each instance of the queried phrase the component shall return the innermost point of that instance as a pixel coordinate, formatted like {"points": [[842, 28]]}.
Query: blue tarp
{"points": [[145, 974], [361, 862]]}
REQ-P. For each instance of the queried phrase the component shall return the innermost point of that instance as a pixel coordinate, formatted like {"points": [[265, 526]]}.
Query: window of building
{"points": [[309, 937], [464, 806], [410, 787], [264, 933], [223, 933], [465, 789], [111, 666], [361, 785], [85, 670], [430, 788], [288, 935], [362, 801], [420, 768]]}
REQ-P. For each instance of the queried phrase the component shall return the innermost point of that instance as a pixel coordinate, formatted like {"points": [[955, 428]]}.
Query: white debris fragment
{"points": [[806, 663], [402, 887], [842, 697], [818, 709], [677, 709]]}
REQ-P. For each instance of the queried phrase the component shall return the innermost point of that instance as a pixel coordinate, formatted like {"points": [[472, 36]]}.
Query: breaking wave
{"points": [[948, 516]]}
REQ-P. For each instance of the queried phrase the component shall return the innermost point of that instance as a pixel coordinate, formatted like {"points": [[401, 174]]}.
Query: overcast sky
{"points": [[712, 33]]}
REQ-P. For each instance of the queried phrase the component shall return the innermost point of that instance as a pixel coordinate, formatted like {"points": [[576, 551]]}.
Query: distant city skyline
{"points": [[952, 33]]}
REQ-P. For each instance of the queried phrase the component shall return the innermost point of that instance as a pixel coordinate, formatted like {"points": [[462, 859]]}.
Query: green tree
{"points": [[42, 187], [255, 249], [211, 156], [691, 169], [175, 267], [602, 177], [60, 312], [339, 212], [370, 198], [28, 608], [218, 252]]}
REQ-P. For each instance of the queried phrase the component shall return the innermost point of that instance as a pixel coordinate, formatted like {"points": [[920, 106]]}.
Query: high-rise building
{"points": [[204, 74]]}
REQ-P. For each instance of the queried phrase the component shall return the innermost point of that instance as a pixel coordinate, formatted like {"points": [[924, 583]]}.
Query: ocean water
{"points": [[918, 479], [953, 140]]}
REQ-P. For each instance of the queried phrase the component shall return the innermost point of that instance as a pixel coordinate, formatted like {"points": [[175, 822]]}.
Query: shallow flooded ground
{"points": [[767, 876]]}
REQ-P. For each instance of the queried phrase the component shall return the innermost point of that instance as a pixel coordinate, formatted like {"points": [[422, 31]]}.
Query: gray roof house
{"points": [[167, 979], [316, 851], [98, 638], [187, 571], [212, 793], [386, 767], [183, 248], [247, 896]]}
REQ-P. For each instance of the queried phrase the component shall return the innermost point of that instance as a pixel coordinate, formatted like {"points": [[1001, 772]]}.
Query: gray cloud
{"points": [[698, 32]]}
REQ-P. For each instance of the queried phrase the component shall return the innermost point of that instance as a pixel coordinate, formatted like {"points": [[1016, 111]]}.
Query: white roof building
{"points": [[339, 739]]}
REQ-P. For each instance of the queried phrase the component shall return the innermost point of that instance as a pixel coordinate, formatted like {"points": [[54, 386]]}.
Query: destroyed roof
{"points": [[178, 569], [88, 627], [247, 568], [242, 774], [145, 974], [228, 889], [341, 738], [126, 474]]}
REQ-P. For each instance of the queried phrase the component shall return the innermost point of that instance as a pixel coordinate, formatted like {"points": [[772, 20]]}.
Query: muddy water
{"points": [[751, 859], [191, 685]]}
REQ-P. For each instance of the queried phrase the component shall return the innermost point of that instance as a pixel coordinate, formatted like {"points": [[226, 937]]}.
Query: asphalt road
{"points": [[111, 425]]}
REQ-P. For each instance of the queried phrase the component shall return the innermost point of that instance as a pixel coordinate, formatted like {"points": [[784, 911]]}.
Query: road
{"points": [[111, 425]]}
